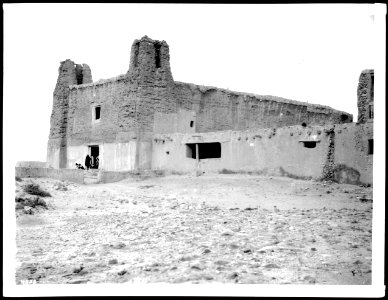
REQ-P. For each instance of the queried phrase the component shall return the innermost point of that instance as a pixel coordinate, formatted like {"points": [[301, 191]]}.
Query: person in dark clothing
{"points": [[87, 162]]}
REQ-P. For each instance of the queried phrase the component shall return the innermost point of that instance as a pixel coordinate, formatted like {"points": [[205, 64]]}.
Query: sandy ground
{"points": [[225, 228]]}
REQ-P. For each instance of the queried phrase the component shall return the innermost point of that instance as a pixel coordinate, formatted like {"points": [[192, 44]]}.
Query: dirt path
{"points": [[213, 228]]}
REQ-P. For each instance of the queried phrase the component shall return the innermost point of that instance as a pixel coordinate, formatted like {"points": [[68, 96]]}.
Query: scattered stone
{"points": [[122, 272], [271, 266], [221, 262], [119, 245], [78, 269], [247, 251], [313, 249], [206, 251], [113, 261], [196, 267], [227, 233], [233, 275]]}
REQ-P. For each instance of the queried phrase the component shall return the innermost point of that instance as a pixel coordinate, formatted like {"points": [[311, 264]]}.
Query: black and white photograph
{"points": [[194, 149]]}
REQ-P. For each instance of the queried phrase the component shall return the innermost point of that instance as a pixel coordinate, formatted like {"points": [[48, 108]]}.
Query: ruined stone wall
{"points": [[365, 96]]}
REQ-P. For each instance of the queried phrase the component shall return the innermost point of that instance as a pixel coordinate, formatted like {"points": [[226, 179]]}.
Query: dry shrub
{"points": [[34, 189]]}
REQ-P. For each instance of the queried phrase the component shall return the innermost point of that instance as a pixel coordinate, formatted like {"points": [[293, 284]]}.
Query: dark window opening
{"points": [[79, 78], [310, 144], [370, 111], [136, 53], [167, 152], [157, 55], [370, 147], [205, 150], [97, 112], [191, 123], [94, 152], [79, 74], [372, 83], [304, 124], [344, 118]]}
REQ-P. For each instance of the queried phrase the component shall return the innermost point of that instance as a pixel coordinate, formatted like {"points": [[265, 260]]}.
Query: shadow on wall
{"points": [[345, 174]]}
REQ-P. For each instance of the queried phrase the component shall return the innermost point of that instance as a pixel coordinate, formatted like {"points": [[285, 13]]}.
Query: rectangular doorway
{"points": [[205, 150], [94, 152]]}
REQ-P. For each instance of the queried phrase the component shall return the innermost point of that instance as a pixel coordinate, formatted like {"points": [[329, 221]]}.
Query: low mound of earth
{"points": [[216, 228]]}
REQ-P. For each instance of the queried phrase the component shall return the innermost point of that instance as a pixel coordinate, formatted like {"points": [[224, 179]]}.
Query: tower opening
{"points": [[157, 55], [370, 147]]}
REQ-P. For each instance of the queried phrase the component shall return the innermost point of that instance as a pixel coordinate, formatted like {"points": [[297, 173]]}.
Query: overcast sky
{"points": [[311, 53]]}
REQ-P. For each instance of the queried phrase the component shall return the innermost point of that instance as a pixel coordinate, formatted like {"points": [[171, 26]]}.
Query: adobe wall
{"points": [[219, 109], [365, 96], [59, 174], [146, 100], [267, 151], [353, 163], [31, 164]]}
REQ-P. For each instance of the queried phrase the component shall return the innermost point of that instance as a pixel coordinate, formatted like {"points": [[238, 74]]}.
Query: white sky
{"points": [[312, 53]]}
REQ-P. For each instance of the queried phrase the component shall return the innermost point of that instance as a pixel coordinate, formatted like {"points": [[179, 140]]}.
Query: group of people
{"points": [[88, 163]]}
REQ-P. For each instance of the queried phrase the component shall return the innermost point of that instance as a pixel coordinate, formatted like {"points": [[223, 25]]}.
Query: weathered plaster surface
{"points": [[261, 133]]}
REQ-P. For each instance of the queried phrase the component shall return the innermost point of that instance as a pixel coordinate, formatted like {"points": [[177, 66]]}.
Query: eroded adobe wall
{"points": [[365, 96], [352, 157], [68, 74], [218, 109], [273, 151], [83, 128]]}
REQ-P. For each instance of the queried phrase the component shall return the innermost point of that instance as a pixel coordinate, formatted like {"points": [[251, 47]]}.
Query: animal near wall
{"points": [[119, 117]]}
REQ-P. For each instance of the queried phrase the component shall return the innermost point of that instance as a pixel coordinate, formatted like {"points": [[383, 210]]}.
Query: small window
{"points": [[157, 55], [310, 144], [191, 123], [304, 124], [370, 111], [97, 112], [344, 118], [370, 147]]}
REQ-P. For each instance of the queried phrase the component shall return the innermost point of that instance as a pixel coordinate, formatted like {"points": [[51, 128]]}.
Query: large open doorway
{"points": [[205, 150], [94, 152]]}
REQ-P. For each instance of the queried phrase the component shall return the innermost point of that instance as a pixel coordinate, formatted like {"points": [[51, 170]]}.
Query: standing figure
{"points": [[87, 162]]}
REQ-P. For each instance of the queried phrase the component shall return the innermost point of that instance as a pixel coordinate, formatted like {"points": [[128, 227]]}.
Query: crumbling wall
{"points": [[365, 96], [68, 74], [353, 162], [219, 109]]}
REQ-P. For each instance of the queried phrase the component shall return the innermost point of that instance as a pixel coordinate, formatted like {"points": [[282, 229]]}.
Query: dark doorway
{"points": [[205, 150], [94, 154], [370, 147]]}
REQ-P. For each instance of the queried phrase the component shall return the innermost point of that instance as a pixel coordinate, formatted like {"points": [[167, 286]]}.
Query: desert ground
{"points": [[225, 228]]}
